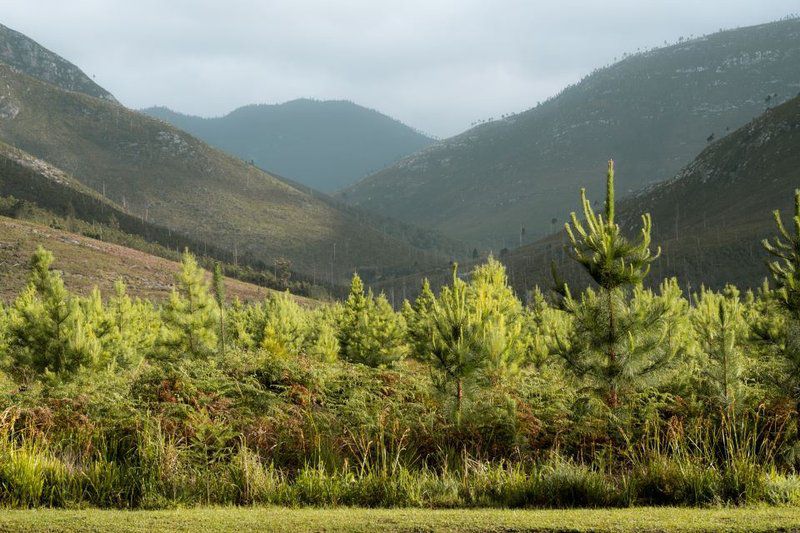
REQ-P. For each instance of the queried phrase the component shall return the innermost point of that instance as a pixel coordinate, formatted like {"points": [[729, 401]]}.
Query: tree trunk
{"points": [[459, 395]]}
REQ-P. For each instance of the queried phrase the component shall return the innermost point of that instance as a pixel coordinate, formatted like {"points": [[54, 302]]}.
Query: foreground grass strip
{"points": [[352, 519]]}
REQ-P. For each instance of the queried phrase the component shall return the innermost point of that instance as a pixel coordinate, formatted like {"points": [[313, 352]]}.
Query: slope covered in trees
{"points": [[326, 145], [653, 111], [167, 177]]}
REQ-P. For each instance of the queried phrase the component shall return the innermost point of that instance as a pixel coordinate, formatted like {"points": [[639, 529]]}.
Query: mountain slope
{"points": [[711, 217], [168, 177], [29, 57], [652, 112], [86, 263], [323, 144]]}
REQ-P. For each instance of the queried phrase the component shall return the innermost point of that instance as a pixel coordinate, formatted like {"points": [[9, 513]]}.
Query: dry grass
{"points": [[87, 262]]}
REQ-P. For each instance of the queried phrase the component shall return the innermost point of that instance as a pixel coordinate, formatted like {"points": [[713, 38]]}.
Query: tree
{"points": [[418, 318], [500, 316], [719, 323], [218, 284], [371, 333], [189, 319], [130, 328], [785, 271], [455, 349], [613, 342], [279, 325], [48, 331]]}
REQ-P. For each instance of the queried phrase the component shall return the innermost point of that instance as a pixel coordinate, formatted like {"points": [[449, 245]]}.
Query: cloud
{"points": [[436, 64]]}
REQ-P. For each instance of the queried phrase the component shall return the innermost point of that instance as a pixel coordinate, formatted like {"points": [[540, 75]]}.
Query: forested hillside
{"points": [[323, 144], [653, 112]]}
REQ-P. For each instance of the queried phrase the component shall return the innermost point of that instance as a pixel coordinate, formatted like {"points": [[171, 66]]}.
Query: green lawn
{"points": [[245, 520]]}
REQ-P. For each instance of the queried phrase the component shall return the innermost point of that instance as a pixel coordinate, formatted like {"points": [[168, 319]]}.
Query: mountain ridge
{"points": [[325, 144], [709, 219], [168, 177], [26, 55], [654, 112]]}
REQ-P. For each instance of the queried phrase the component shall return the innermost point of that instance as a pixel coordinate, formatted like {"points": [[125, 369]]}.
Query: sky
{"points": [[437, 65]]}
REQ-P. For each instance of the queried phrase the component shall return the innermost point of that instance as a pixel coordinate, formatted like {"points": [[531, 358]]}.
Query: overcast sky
{"points": [[437, 65]]}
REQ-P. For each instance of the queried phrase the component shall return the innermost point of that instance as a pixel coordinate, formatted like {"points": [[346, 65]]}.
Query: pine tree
{"points": [[130, 328], [785, 270], [544, 324], [190, 317], [280, 325], [325, 344], [371, 333], [452, 344], [218, 284], [500, 316], [48, 331], [612, 343], [719, 322], [418, 318]]}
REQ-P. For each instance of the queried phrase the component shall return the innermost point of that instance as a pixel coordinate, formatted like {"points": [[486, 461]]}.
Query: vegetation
{"points": [[613, 397], [146, 268], [32, 190]]}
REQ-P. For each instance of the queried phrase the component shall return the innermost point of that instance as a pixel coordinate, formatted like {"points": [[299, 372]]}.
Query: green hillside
{"points": [[33, 190], [323, 144], [711, 217], [28, 56], [653, 112], [167, 177]]}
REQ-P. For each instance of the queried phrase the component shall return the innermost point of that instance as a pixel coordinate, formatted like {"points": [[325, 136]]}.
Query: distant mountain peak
{"points": [[323, 144], [29, 57]]}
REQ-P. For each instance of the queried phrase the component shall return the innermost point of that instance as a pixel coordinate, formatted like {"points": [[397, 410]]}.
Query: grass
{"points": [[356, 519]]}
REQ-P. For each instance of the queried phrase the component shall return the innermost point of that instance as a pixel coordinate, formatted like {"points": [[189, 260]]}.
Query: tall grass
{"points": [[163, 475]]}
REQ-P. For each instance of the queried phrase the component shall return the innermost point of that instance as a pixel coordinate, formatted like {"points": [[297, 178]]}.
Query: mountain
{"points": [[168, 178], [33, 190], [653, 112], [710, 218], [86, 263], [29, 57], [323, 144]]}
